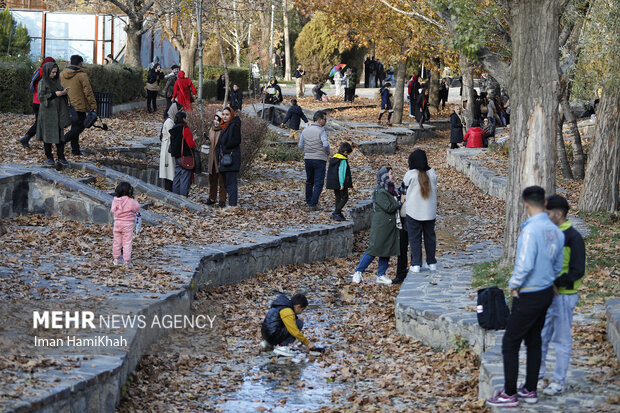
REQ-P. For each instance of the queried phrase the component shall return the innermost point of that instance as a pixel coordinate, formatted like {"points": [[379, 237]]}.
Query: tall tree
{"points": [[139, 21], [179, 24], [287, 41]]}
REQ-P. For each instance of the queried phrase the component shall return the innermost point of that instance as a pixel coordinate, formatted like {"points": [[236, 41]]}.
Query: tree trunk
{"points": [[223, 59], [467, 99], [188, 59], [600, 187], [534, 99], [578, 157], [287, 42], [433, 91], [567, 173], [133, 45], [399, 99]]}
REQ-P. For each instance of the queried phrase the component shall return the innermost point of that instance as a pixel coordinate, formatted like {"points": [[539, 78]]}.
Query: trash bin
{"points": [[104, 104]]}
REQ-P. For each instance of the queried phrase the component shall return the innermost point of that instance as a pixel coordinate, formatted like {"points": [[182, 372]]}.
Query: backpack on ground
{"points": [[492, 309]]}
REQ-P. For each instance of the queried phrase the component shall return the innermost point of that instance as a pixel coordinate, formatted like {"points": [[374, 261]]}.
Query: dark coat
{"points": [[53, 111], [176, 142], [333, 180], [456, 129], [294, 115], [384, 236], [230, 142], [273, 324], [385, 99], [221, 88], [236, 99], [422, 108]]}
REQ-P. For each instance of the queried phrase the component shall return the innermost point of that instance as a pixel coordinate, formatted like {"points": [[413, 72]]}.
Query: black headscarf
{"points": [[417, 160], [53, 84]]}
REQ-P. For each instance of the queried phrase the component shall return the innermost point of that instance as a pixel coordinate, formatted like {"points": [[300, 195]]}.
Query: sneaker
{"points": [[357, 277], [431, 267], [63, 162], [284, 351], [503, 400], [117, 262], [50, 162], [553, 389], [398, 280], [266, 346], [221, 204], [337, 217], [383, 280], [527, 396], [414, 268], [25, 142]]}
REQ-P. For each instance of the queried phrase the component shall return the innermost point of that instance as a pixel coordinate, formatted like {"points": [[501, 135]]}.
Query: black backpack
{"points": [[492, 309]]}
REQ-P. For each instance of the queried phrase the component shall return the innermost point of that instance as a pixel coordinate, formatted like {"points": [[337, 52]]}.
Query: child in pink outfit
{"points": [[124, 209]]}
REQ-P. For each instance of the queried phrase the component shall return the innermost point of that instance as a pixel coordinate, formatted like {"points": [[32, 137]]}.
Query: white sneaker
{"points": [[284, 351], [414, 268], [553, 388], [357, 277], [383, 280], [266, 346], [432, 267], [117, 262]]}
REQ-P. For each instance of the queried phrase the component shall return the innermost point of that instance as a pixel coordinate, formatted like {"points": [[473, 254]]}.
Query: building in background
{"points": [[91, 35]]}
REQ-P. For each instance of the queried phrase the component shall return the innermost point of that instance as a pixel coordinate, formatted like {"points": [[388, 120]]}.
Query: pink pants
{"points": [[123, 236]]}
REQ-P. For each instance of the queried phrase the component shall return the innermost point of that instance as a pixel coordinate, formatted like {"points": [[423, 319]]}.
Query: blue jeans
{"points": [[557, 331], [367, 259], [315, 176]]}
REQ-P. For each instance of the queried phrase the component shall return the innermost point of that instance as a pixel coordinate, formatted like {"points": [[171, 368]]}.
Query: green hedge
{"points": [[15, 73], [238, 75]]}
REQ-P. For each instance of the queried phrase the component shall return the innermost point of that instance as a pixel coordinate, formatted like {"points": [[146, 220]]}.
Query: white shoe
{"points": [[432, 267], [553, 389], [357, 277], [117, 262], [383, 280], [414, 268], [266, 346], [284, 351]]}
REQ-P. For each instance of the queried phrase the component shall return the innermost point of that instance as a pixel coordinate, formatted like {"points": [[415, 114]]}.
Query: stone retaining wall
{"points": [[485, 179], [613, 324]]}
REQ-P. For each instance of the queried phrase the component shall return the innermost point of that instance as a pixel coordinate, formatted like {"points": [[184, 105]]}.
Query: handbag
{"points": [[187, 161], [226, 160], [91, 118]]}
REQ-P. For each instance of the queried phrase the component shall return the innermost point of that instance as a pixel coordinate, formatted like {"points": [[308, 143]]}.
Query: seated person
{"points": [[281, 326], [317, 91], [488, 129], [473, 137], [273, 93]]}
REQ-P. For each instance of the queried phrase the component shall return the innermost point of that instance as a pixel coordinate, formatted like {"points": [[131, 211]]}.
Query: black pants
{"points": [[231, 184], [151, 100], [454, 145], [60, 150], [73, 135], [167, 184], [415, 229], [281, 337], [443, 98], [402, 266], [527, 318], [342, 197], [348, 94], [33, 129]]}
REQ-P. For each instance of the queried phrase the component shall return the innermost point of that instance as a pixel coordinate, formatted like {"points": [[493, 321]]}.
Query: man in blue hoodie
{"points": [[538, 261]]}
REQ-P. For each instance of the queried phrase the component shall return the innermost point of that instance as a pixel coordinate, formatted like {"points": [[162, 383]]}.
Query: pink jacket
{"points": [[124, 210]]}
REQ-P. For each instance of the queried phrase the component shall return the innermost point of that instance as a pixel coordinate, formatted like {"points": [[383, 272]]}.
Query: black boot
{"points": [[25, 141]]}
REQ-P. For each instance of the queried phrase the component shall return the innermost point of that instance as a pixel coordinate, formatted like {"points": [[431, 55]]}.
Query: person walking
{"points": [[560, 314], [236, 98], [166, 160], [294, 115], [181, 144], [53, 114], [339, 179], [422, 112], [182, 91], [153, 77], [420, 182], [216, 180], [228, 150], [34, 87], [539, 259], [300, 87], [443, 94], [386, 104], [81, 97], [171, 79], [313, 141], [456, 128], [124, 209], [414, 93], [384, 239]]}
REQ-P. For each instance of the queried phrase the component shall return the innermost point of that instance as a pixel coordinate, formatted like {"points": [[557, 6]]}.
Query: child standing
{"points": [[339, 179], [386, 104], [124, 209]]}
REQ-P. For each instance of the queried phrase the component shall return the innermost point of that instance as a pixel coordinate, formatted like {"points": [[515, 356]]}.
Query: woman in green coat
{"points": [[384, 236], [53, 114]]}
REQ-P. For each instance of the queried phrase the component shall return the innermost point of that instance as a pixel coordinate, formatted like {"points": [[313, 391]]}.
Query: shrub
{"points": [[282, 153], [15, 75], [124, 81], [253, 133], [238, 75], [14, 39]]}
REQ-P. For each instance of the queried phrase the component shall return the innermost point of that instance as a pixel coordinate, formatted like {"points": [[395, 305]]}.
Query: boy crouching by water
{"points": [[281, 326]]}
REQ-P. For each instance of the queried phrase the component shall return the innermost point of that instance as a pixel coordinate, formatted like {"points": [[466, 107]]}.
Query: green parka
{"points": [[53, 112], [384, 236]]}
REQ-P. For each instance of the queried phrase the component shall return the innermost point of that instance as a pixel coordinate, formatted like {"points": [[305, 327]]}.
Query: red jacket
{"points": [[473, 137], [182, 91]]}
